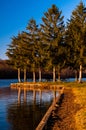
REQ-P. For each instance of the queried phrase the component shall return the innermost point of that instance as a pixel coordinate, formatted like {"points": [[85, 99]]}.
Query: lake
{"points": [[22, 109]]}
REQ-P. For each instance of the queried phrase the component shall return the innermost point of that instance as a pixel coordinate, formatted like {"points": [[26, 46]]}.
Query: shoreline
{"points": [[38, 86], [71, 113], [62, 118]]}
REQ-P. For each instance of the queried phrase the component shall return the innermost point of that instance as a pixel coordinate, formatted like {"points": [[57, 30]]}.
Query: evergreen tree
{"points": [[77, 38], [33, 36], [42, 54], [13, 53], [25, 52], [18, 55], [53, 31]]}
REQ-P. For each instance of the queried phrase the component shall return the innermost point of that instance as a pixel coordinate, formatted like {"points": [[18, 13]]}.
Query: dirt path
{"points": [[62, 118]]}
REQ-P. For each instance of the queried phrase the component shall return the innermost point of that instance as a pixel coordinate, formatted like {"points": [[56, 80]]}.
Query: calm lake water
{"points": [[22, 109]]}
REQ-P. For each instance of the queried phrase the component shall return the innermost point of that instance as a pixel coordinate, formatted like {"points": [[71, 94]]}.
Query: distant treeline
{"points": [[8, 72]]}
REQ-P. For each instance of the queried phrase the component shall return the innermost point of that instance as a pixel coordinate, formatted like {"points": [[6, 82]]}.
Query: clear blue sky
{"points": [[15, 14]]}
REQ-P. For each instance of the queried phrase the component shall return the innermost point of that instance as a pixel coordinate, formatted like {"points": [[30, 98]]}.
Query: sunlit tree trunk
{"points": [[25, 74], [80, 74], [54, 74], [40, 76], [19, 80]]}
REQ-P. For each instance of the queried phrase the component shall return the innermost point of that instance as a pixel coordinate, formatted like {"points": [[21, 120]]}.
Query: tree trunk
{"points": [[24, 74], [80, 74], [34, 77], [54, 74], [40, 76], [19, 80], [76, 75]]}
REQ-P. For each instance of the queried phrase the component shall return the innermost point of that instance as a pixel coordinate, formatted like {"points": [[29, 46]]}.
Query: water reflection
{"points": [[25, 116], [29, 109]]}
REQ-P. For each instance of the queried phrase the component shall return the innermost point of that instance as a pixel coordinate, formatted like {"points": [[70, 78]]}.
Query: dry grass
{"points": [[80, 117], [79, 91]]}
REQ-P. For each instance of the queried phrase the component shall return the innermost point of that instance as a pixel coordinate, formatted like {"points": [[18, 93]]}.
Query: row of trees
{"points": [[51, 45]]}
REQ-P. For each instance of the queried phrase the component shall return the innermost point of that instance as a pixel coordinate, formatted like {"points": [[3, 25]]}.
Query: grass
{"points": [[80, 116], [79, 91]]}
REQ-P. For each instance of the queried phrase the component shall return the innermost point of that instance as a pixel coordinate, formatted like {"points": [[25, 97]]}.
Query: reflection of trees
{"points": [[26, 116]]}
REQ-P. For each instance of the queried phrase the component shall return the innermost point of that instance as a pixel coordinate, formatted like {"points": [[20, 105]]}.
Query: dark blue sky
{"points": [[15, 14]]}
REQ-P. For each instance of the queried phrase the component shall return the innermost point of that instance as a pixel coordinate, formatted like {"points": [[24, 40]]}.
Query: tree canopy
{"points": [[52, 44]]}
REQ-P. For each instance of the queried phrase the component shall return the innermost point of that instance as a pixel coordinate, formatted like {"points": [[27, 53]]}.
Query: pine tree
{"points": [[77, 38], [25, 53], [53, 31], [32, 28], [18, 54], [14, 56]]}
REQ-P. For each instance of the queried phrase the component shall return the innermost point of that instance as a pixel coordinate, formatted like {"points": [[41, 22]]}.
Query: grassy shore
{"points": [[79, 91], [71, 114], [80, 116]]}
